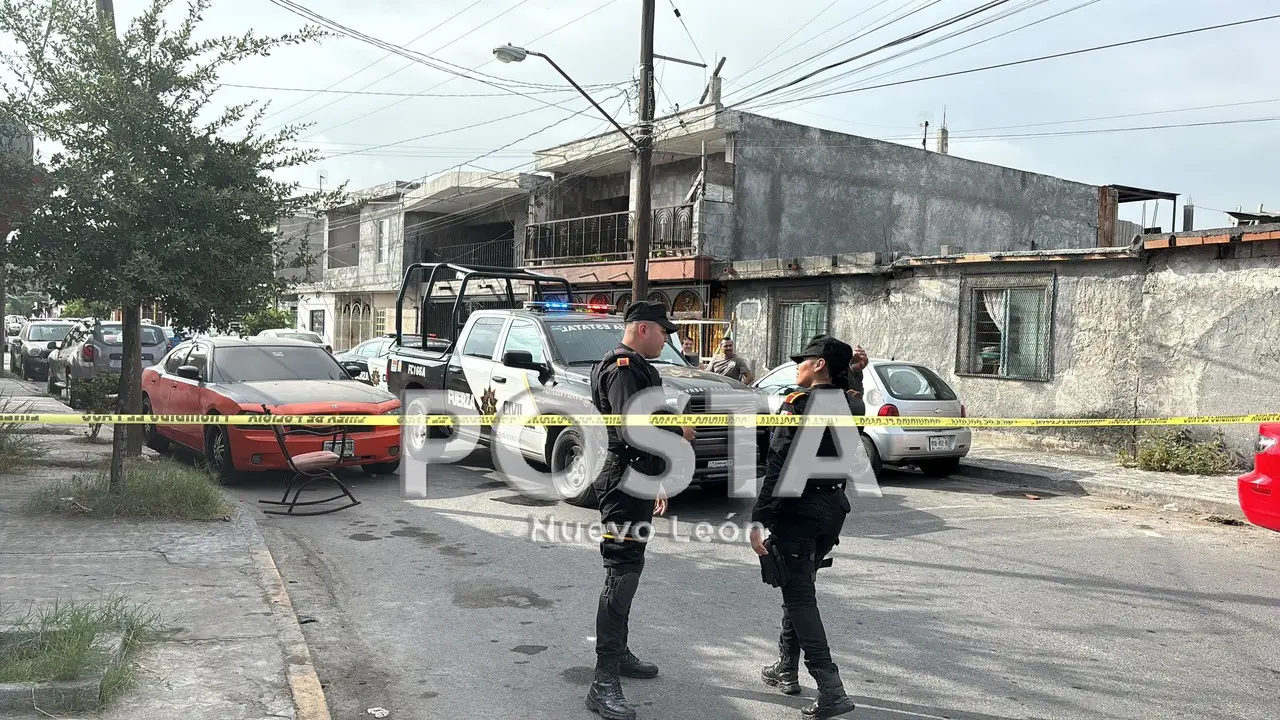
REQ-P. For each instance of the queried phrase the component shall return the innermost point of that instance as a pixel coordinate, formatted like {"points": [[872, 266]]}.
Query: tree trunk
{"points": [[131, 376], [4, 298]]}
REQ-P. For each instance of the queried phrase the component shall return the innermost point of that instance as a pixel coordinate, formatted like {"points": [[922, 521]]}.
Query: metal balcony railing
{"points": [[500, 253], [605, 238]]}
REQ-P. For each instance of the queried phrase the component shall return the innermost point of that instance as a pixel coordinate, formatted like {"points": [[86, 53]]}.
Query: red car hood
{"points": [[309, 397]]}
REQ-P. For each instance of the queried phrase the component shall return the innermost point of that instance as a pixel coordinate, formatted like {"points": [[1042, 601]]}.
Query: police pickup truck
{"points": [[497, 356]]}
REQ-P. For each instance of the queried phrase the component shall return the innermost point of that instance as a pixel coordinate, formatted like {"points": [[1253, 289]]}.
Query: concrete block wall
{"points": [[806, 191], [1188, 334]]}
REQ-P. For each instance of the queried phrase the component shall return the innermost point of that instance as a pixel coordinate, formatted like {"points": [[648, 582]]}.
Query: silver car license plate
{"points": [[348, 448], [939, 443], [716, 464]]}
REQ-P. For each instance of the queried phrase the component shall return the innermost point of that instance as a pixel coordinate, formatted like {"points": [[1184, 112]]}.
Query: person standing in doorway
{"points": [[729, 364]]}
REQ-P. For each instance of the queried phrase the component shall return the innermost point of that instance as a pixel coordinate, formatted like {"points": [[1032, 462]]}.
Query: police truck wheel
{"points": [[569, 463]]}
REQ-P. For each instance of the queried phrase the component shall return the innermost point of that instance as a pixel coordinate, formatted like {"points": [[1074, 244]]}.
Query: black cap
{"points": [[837, 353], [652, 311]]}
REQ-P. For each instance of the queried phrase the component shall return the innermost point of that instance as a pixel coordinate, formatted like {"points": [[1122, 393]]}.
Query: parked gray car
{"points": [[896, 388], [93, 347], [29, 351]]}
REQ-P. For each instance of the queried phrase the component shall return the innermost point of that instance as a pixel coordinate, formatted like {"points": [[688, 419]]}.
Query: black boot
{"points": [[785, 673], [634, 667], [605, 695], [832, 700]]}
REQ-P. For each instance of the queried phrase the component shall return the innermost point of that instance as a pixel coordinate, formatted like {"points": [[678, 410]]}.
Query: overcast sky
{"points": [[597, 43]]}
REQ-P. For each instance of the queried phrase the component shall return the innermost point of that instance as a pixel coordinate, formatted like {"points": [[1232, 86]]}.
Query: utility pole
{"points": [[642, 226]]}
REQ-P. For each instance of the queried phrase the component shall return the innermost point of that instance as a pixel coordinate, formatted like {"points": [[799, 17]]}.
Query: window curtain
{"points": [[1026, 338], [994, 302]]}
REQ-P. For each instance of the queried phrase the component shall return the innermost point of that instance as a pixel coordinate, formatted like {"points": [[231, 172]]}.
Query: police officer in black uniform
{"points": [[623, 373], [804, 530]]}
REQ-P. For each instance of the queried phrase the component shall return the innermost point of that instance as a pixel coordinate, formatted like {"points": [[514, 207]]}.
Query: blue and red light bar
{"points": [[557, 306]]}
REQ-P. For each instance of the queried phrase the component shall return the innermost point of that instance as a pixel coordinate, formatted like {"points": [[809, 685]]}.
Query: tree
{"points": [[152, 182], [79, 308], [266, 319], [17, 188]]}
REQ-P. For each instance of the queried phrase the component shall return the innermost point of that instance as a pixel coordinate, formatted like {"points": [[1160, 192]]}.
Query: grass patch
{"points": [[1178, 452], [57, 643], [18, 448], [153, 490]]}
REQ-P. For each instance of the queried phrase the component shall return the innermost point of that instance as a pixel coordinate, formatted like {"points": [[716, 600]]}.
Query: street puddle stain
{"points": [[492, 485], [402, 522], [1022, 494], [529, 649], [526, 622], [524, 501], [522, 662], [578, 675], [456, 551], [485, 596], [423, 536], [364, 537], [429, 695]]}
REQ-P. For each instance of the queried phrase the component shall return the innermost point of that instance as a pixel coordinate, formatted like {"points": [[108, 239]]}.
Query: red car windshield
{"points": [[267, 364]]}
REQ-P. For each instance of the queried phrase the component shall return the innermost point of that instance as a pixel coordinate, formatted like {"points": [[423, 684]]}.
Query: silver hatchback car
{"points": [[896, 388], [93, 347]]}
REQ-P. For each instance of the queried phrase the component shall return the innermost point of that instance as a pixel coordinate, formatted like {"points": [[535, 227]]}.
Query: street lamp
{"points": [[510, 53], [644, 150]]}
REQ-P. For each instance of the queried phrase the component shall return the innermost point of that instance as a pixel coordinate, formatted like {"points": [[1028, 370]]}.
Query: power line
{"points": [[680, 17], [787, 39], [389, 94], [899, 41], [384, 108], [862, 32], [467, 127], [433, 53], [1023, 7], [1024, 61], [375, 62], [831, 29]]}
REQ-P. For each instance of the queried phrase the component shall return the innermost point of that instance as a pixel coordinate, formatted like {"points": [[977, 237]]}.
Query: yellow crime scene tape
{"points": [[700, 420]]}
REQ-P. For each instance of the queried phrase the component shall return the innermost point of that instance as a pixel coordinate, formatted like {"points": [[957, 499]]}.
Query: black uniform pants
{"points": [[806, 529], [623, 556]]}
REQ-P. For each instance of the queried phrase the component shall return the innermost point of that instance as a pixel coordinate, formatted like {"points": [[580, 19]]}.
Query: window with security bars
{"points": [[1009, 332], [380, 322], [798, 323]]}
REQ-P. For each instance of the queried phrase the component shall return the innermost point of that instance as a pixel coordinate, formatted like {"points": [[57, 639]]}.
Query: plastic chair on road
{"points": [[309, 468]]}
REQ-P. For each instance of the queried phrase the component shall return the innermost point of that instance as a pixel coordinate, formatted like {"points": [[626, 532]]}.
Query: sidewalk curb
{"points": [[990, 471], [304, 684]]}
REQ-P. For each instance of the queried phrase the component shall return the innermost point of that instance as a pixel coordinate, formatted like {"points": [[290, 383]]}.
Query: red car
{"points": [[237, 376], [1260, 489]]}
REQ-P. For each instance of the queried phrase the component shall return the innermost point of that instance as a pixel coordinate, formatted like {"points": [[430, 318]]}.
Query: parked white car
{"points": [[896, 388]]}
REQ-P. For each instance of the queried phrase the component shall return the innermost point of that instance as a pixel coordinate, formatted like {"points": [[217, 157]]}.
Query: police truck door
{"points": [[512, 386], [467, 379]]}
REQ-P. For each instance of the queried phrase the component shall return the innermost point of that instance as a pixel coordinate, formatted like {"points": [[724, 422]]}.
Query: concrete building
{"points": [[734, 186], [465, 217], [1175, 325]]}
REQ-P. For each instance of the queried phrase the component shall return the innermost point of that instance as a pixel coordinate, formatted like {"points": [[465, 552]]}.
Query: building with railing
{"points": [[463, 217], [739, 195]]}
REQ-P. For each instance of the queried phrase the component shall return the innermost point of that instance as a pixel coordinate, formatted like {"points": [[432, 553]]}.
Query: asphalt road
{"points": [[948, 599]]}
